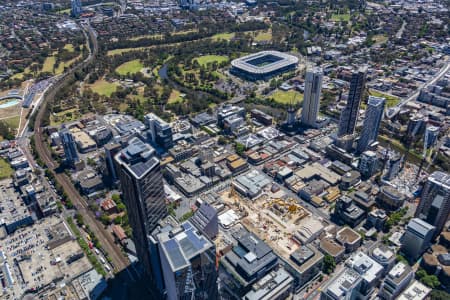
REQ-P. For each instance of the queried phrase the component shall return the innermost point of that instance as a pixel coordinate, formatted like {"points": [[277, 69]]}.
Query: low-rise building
{"points": [[340, 168], [250, 260], [350, 179], [344, 285], [89, 182], [109, 206], [84, 142], [349, 238], [415, 291], [261, 117], [390, 198], [277, 285], [251, 184], [308, 230], [368, 269], [383, 255], [377, 218], [306, 263], [348, 212], [331, 247], [181, 151], [363, 199], [396, 281]]}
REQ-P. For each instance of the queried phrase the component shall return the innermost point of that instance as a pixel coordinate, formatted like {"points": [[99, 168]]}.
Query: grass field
{"points": [[223, 36], [205, 59], [64, 116], [48, 64], [5, 169], [262, 36], [50, 61], [131, 67], [380, 38], [103, 87], [147, 36], [62, 65], [69, 47], [123, 107], [340, 17], [64, 11], [390, 100], [21, 74], [285, 97], [124, 50], [175, 97], [13, 122]]}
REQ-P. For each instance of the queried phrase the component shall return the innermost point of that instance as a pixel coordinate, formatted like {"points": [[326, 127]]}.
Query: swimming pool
{"points": [[9, 103]]}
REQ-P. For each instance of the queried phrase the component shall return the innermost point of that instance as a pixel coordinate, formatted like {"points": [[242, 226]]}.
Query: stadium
{"points": [[263, 65]]}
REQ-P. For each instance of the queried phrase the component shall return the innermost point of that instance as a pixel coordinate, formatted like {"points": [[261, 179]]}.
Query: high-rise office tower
{"points": [[349, 115], [142, 187], [311, 100], [368, 164], [188, 263], [416, 238], [434, 205], [430, 137], [415, 129], [70, 148], [372, 121], [76, 8], [160, 130], [394, 165], [111, 149]]}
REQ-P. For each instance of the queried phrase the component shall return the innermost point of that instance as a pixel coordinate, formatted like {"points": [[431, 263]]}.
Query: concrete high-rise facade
{"points": [[394, 165], [69, 146], [434, 205], [349, 115], [142, 187], [372, 122], [76, 8], [311, 100], [368, 164]]}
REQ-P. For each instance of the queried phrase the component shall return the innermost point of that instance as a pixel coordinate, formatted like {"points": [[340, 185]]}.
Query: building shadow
{"points": [[130, 284]]}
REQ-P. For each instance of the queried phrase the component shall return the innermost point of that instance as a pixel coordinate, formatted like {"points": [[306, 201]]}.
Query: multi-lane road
{"points": [[391, 112], [119, 261]]}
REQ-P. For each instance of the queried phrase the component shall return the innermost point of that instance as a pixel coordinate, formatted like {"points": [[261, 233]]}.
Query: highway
{"points": [[390, 113], [119, 261]]}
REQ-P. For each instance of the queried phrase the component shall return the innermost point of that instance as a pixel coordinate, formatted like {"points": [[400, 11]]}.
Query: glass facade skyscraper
{"points": [[349, 115], [142, 187]]}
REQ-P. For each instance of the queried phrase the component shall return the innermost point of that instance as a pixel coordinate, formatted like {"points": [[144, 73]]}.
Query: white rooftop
{"points": [[343, 283], [368, 268], [416, 291]]}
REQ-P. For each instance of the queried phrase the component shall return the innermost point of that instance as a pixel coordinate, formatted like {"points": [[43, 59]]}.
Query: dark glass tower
{"points": [[142, 187], [349, 115]]}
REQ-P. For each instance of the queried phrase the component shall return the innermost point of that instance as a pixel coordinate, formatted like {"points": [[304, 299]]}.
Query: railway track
{"points": [[119, 261]]}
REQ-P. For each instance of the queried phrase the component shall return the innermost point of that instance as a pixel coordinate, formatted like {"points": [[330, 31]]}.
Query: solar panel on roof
{"points": [[195, 240], [186, 226], [175, 255]]}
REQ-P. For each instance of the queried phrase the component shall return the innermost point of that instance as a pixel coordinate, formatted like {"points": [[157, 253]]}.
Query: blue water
{"points": [[9, 103]]}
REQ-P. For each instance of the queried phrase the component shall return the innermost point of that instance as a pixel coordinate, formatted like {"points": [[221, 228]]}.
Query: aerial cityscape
{"points": [[255, 150]]}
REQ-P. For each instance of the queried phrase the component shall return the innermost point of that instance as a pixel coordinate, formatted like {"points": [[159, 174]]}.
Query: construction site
{"points": [[274, 218]]}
